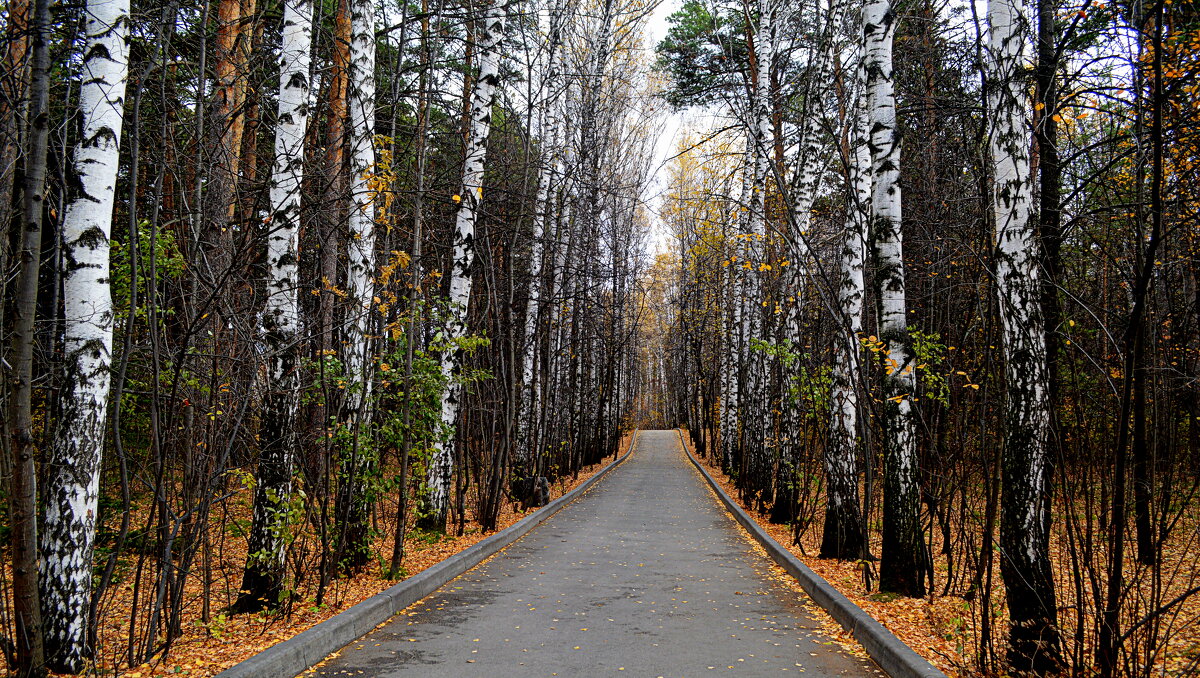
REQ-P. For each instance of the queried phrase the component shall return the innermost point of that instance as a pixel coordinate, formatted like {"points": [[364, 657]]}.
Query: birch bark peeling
{"points": [[441, 466], [73, 467], [1024, 537]]}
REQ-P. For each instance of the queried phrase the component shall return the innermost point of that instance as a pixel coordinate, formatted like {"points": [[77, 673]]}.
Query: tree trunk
{"points": [[1024, 541], [73, 466], [13, 84], [904, 560], [752, 407], [523, 479], [330, 221], [226, 124], [844, 536], [1110, 639], [27, 617], [1049, 213], [353, 501], [335, 183], [414, 291], [441, 467], [730, 368], [263, 578]]}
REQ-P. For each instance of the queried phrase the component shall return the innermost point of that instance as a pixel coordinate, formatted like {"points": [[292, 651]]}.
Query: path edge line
{"points": [[889, 652], [311, 646]]}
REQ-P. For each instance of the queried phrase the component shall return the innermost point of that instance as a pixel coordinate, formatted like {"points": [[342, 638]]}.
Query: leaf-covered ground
{"points": [[946, 630], [206, 649]]}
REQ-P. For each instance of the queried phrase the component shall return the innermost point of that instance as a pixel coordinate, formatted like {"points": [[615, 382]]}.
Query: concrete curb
{"points": [[893, 656], [298, 653]]}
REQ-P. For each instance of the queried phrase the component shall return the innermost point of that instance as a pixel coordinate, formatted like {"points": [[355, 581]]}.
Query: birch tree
{"points": [[1024, 538], [1120, 133], [73, 465], [844, 536], [843, 530], [752, 401], [441, 467], [361, 248], [903, 567], [731, 359], [527, 434], [808, 159], [353, 500], [279, 324]]}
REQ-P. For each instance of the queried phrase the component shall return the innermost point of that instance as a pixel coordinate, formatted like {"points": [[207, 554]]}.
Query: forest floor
{"points": [[947, 630], [207, 648]]}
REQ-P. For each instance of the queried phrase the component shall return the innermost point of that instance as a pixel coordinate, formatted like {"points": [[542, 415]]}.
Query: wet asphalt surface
{"points": [[645, 575]]}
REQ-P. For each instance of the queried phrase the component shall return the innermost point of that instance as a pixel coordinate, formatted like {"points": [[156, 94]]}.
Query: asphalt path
{"points": [[645, 575]]}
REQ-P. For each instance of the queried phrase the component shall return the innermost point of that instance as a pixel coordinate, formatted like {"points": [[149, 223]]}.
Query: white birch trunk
{"points": [[727, 402], [761, 120], [1024, 539], [73, 467], [809, 170], [526, 448], [731, 428], [844, 535], [361, 246], [353, 501], [753, 400], [809, 167], [903, 566], [441, 465], [279, 324], [559, 352]]}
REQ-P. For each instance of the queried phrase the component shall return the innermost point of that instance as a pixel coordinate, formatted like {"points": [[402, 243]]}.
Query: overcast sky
{"points": [[656, 30]]}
